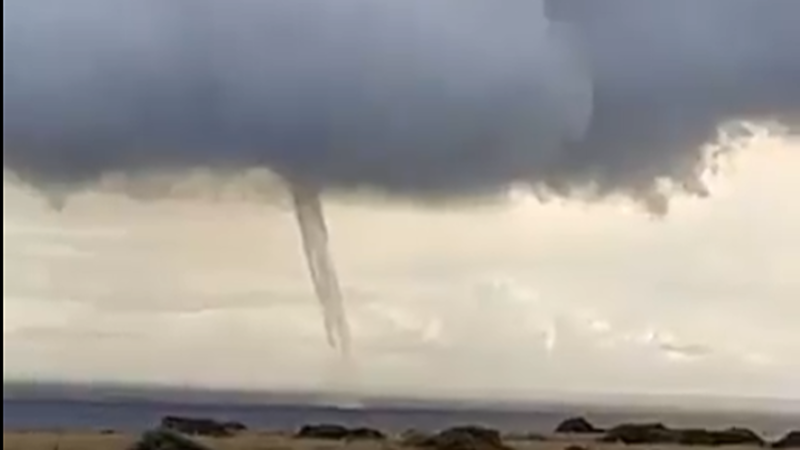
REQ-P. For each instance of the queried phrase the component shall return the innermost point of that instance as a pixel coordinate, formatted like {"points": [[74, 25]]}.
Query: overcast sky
{"points": [[516, 300]]}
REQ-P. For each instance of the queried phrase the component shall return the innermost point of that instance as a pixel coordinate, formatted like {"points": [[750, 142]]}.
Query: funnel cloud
{"points": [[449, 99], [314, 234]]}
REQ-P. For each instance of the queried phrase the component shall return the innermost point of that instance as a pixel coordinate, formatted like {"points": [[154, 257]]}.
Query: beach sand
{"points": [[277, 441]]}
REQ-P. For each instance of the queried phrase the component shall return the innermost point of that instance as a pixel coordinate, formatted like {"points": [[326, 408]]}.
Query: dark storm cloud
{"points": [[415, 97], [668, 74]]}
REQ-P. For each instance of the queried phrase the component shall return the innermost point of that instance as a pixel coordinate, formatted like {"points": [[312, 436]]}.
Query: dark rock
{"points": [[365, 434], [575, 447], [164, 439], [323, 431], [791, 440], [740, 436], [656, 433], [641, 433], [200, 426], [696, 437], [577, 425], [338, 432], [465, 438], [731, 436]]}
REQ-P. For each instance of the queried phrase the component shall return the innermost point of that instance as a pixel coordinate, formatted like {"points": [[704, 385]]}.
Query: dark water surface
{"points": [[59, 414]]}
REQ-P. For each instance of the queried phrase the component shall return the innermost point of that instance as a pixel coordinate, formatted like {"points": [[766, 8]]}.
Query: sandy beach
{"points": [[268, 441], [255, 440]]}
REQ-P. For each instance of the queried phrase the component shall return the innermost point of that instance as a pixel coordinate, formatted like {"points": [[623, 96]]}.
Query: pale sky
{"points": [[508, 301]]}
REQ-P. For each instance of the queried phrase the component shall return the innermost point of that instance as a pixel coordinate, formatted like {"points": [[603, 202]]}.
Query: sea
{"points": [[58, 409]]}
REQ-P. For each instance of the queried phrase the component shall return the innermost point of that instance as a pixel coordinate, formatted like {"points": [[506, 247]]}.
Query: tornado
{"points": [[314, 235]]}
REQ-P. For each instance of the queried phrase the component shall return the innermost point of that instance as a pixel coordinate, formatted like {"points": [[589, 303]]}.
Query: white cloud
{"points": [[560, 296]]}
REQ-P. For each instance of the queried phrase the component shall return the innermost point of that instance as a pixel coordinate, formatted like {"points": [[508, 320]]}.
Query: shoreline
{"points": [[574, 433], [284, 441], [124, 417]]}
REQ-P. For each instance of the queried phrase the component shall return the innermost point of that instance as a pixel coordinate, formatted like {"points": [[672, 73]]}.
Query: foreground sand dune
{"points": [[273, 441], [575, 433]]}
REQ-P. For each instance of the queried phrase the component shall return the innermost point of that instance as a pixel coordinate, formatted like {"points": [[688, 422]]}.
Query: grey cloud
{"points": [[44, 333], [414, 98]]}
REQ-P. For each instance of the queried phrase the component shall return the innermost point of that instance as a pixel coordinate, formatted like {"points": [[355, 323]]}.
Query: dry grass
{"points": [[268, 441]]}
